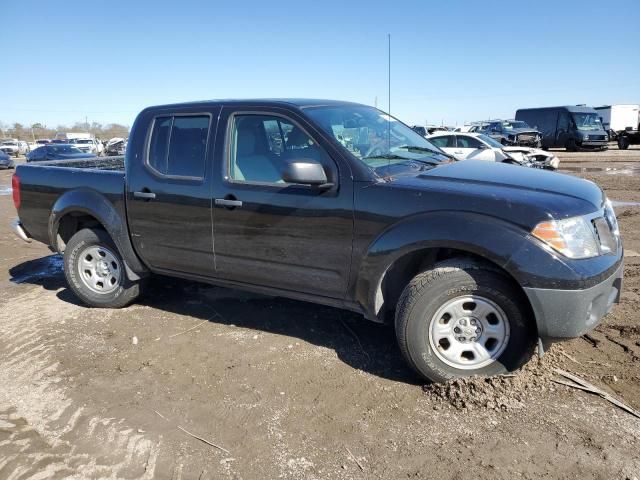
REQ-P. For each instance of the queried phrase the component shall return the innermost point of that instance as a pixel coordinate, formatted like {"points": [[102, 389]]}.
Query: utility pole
{"points": [[86, 123]]}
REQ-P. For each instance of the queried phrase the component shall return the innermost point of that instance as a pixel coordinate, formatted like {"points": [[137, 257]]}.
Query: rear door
{"points": [[272, 233], [169, 192]]}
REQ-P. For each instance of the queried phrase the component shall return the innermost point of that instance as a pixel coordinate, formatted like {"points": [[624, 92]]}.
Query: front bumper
{"points": [[572, 313], [19, 230]]}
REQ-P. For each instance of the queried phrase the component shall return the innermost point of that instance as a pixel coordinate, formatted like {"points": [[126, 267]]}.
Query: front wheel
{"points": [[462, 319], [95, 271]]}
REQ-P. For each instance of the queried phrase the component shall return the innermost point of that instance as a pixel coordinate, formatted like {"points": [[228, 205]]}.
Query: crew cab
{"points": [[340, 204]]}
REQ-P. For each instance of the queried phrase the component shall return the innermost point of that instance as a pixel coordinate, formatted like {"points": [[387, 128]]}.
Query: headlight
{"points": [[572, 237], [586, 137]]}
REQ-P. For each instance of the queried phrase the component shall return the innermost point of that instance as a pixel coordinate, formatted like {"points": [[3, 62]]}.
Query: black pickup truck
{"points": [[340, 204]]}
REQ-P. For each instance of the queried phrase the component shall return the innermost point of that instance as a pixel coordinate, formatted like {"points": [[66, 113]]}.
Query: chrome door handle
{"points": [[227, 202], [144, 195]]}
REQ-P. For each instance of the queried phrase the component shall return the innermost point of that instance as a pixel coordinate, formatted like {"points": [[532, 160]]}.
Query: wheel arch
{"points": [[413, 246], [77, 209]]}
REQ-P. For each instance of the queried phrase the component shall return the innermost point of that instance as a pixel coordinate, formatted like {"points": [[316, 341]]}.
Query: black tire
{"points": [[571, 145], [429, 290], [125, 290], [623, 143]]}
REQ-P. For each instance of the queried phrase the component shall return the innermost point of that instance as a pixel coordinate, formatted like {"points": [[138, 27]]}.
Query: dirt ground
{"points": [[291, 390]]}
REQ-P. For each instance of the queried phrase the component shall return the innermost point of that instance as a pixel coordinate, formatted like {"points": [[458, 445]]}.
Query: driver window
{"points": [[261, 145]]}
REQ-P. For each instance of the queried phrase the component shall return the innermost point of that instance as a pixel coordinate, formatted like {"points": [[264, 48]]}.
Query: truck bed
{"points": [[99, 163], [44, 183]]}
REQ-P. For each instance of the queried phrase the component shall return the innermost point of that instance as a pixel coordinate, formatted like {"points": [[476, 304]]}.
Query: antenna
{"points": [[389, 92]]}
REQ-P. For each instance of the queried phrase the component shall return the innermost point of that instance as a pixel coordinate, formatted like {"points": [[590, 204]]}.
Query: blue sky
{"points": [[452, 61]]}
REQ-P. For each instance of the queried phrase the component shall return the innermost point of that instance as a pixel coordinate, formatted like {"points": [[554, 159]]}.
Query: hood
{"points": [[516, 131], [529, 194]]}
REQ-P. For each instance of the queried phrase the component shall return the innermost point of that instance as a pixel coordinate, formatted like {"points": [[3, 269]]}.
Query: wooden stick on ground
{"points": [[353, 457], [192, 328], [204, 440], [587, 387]]}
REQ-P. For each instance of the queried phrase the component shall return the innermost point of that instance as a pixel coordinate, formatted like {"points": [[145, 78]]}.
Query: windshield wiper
{"points": [[427, 149], [386, 156], [418, 149]]}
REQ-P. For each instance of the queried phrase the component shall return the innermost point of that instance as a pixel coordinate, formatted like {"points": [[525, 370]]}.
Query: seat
{"points": [[250, 165]]}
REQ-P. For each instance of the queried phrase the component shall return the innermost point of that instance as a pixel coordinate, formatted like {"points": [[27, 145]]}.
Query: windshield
{"points": [[511, 124], [63, 149], [490, 141], [9, 143], [374, 138], [83, 141], [587, 121]]}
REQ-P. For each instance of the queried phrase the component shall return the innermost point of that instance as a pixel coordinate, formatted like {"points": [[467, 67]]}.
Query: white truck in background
{"points": [[618, 118]]}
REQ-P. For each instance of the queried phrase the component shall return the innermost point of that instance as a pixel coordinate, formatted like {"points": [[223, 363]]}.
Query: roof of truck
{"points": [[569, 108], [297, 102]]}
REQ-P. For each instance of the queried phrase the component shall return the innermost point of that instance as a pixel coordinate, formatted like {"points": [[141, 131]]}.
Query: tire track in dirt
{"points": [[44, 434]]}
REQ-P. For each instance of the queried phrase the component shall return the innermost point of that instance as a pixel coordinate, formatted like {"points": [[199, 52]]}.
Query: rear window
{"points": [[178, 145]]}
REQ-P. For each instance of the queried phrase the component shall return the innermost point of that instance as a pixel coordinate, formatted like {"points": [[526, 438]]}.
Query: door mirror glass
{"points": [[304, 171]]}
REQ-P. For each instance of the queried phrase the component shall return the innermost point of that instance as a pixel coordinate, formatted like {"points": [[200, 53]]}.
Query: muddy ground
{"points": [[292, 390]]}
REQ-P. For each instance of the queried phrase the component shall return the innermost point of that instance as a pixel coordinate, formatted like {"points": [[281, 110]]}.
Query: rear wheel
{"points": [[461, 319], [623, 143], [95, 270]]}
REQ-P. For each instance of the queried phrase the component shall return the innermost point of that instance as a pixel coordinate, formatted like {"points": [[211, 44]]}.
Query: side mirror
{"points": [[306, 171]]}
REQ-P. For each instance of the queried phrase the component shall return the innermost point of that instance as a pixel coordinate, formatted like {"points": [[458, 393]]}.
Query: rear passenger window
{"points": [[443, 141], [178, 145]]}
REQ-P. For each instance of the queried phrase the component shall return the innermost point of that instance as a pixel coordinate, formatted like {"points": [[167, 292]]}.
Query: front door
{"points": [[470, 148], [562, 129], [272, 233], [169, 194]]}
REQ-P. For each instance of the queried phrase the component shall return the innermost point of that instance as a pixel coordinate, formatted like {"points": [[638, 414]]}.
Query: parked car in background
{"points": [[572, 127], [511, 132], [474, 263], [478, 146], [115, 146], [619, 118], [628, 137], [428, 130], [57, 151], [89, 145], [463, 128], [14, 147], [420, 130], [5, 160]]}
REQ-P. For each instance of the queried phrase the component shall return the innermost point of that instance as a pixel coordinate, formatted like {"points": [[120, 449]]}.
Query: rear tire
{"points": [[623, 143], [95, 270], [490, 334]]}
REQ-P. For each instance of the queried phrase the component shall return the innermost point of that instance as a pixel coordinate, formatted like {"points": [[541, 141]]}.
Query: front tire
{"points": [[462, 319], [95, 271]]}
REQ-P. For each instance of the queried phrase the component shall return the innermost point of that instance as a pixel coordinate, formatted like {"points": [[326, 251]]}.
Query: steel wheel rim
{"points": [[469, 332], [100, 270]]}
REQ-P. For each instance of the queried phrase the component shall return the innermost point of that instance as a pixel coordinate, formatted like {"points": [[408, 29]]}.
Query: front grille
{"points": [[596, 137], [607, 239], [526, 139]]}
